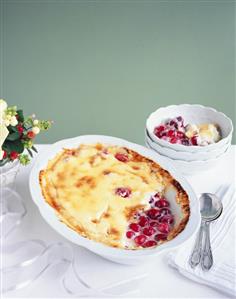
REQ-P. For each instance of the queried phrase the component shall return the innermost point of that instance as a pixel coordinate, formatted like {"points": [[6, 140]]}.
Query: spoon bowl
{"points": [[210, 206]]}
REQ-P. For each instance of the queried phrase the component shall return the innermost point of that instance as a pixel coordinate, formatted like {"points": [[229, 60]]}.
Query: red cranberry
{"points": [[14, 155], [180, 121], [160, 128], [167, 219], [158, 134], [194, 140], [123, 192], [174, 123], [139, 240], [30, 134], [179, 118], [148, 231], [150, 243], [158, 131], [180, 134], [165, 211], [171, 133], [143, 221], [135, 227], [162, 203], [153, 213], [130, 234], [163, 134], [153, 223], [122, 157], [185, 141], [160, 237], [174, 140], [163, 227], [4, 154], [20, 129]]}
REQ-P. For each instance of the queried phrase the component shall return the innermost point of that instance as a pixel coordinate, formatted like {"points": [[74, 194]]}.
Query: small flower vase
{"points": [[8, 174]]}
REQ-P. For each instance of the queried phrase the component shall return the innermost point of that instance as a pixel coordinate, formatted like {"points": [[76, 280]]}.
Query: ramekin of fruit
{"points": [[189, 133], [191, 128]]}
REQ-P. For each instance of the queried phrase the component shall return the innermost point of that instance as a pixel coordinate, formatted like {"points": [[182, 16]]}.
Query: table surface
{"points": [[161, 276]]}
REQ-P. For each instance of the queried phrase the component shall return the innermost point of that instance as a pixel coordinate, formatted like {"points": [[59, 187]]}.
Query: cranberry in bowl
{"points": [[176, 131]]}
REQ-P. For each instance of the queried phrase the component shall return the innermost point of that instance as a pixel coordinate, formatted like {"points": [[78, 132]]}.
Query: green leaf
{"points": [[30, 153], [20, 115], [34, 149], [28, 123], [13, 136], [15, 146], [12, 129]]}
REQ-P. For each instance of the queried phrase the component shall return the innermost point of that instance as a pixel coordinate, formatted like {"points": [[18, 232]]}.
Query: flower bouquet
{"points": [[17, 134]]}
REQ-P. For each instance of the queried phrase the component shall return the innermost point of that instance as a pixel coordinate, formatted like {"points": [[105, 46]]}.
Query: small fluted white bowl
{"points": [[193, 167], [186, 156], [192, 114]]}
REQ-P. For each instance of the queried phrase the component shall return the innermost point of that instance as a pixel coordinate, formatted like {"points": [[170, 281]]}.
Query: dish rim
{"points": [[49, 214]]}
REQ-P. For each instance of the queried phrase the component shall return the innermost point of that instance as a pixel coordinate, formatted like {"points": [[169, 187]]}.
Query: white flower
{"points": [[3, 134], [13, 121], [36, 122], [1, 154], [35, 130], [3, 105], [6, 122]]}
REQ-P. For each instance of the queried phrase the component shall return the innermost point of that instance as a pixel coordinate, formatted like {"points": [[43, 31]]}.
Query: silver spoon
{"points": [[211, 209]]}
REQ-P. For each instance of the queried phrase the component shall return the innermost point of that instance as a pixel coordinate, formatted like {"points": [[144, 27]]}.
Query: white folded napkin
{"points": [[222, 275]]}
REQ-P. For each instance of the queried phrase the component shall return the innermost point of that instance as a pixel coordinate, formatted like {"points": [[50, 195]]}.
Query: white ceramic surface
{"points": [[186, 156], [114, 254], [193, 167], [192, 114]]}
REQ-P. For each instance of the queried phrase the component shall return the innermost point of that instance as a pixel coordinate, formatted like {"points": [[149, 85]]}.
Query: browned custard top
{"points": [[98, 190]]}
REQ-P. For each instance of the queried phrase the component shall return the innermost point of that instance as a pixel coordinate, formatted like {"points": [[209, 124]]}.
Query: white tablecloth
{"points": [[162, 282]]}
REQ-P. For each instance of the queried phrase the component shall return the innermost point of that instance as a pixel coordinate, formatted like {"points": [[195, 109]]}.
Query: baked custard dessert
{"points": [[175, 131], [115, 196]]}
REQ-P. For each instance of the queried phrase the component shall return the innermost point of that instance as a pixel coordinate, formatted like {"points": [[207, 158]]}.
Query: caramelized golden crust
{"points": [[80, 184]]}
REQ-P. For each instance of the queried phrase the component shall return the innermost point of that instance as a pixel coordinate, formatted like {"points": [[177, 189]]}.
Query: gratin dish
{"points": [[115, 254], [192, 114]]}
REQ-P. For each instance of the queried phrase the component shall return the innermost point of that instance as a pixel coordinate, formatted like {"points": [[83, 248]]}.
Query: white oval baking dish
{"points": [[115, 254]]}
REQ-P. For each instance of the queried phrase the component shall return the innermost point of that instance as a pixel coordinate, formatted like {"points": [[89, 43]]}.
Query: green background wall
{"points": [[100, 67]]}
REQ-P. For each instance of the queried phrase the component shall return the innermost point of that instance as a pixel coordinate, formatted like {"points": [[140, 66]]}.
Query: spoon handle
{"points": [[207, 258], [195, 257]]}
